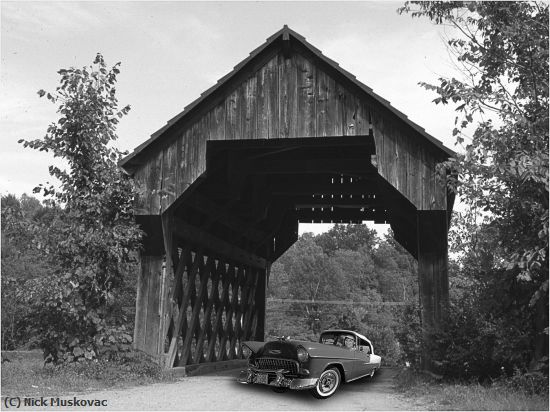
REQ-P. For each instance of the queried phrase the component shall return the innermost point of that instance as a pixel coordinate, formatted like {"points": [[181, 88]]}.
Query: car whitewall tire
{"points": [[327, 384]]}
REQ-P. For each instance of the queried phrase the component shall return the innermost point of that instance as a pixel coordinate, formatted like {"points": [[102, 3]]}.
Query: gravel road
{"points": [[221, 392]]}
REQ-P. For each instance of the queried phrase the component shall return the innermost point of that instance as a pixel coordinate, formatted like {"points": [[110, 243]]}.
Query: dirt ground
{"points": [[221, 392]]}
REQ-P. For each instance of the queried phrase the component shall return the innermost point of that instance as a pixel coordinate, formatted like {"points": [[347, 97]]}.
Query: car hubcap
{"points": [[328, 382]]}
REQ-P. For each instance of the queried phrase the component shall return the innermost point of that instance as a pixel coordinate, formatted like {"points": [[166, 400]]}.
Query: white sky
{"points": [[172, 51]]}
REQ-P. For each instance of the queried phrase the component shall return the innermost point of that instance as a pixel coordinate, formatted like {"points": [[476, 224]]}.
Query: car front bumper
{"points": [[253, 376]]}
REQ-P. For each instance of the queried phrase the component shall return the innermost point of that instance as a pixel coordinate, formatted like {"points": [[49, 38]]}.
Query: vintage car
{"points": [[339, 356]]}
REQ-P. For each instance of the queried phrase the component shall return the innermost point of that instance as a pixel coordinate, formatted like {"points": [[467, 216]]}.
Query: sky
{"points": [[173, 51]]}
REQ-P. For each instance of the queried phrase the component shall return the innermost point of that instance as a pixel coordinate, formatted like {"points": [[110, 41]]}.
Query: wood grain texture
{"points": [[169, 176], [250, 109], [432, 273], [140, 323], [306, 98], [153, 271], [293, 97]]}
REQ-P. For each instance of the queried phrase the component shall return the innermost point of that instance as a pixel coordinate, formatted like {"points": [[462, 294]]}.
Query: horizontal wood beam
{"points": [[215, 245], [302, 166], [269, 145], [339, 215], [339, 200], [299, 187], [340, 302], [301, 184]]}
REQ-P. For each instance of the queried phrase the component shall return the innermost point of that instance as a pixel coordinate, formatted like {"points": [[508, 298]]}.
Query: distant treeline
{"points": [[319, 276]]}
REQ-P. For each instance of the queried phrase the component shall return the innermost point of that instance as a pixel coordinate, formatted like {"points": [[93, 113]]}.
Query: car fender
{"points": [[318, 364], [375, 360]]}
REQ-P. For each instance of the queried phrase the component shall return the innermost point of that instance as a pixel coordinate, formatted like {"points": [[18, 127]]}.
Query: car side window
{"points": [[328, 339], [365, 347]]}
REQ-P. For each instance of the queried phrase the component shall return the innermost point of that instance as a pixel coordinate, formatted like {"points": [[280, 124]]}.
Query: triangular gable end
{"points": [[287, 88]]}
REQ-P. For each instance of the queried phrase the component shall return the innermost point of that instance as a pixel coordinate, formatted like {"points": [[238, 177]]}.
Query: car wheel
{"points": [[327, 384]]}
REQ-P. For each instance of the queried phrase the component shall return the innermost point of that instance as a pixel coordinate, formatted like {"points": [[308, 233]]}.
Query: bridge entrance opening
{"points": [[238, 218]]}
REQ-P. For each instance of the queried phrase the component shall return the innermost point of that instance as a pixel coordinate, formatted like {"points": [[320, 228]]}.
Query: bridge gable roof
{"points": [[280, 41]]}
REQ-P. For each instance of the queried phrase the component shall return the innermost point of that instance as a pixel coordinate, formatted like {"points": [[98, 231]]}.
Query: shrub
{"points": [[94, 238], [529, 382]]}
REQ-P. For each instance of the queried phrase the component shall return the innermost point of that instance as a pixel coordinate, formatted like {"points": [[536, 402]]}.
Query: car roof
{"points": [[347, 331]]}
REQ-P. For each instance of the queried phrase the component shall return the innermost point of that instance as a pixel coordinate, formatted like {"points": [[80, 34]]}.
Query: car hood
{"points": [[288, 349]]}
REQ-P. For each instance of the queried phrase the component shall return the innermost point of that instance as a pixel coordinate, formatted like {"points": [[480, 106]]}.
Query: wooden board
{"points": [[140, 323], [306, 98], [152, 269], [169, 176]]}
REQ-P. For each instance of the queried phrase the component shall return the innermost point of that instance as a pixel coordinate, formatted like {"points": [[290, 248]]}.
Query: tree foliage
{"points": [[321, 279], [502, 50], [499, 284], [22, 265], [93, 240]]}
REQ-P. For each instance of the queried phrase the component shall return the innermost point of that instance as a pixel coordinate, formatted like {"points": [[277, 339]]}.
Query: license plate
{"points": [[261, 378]]}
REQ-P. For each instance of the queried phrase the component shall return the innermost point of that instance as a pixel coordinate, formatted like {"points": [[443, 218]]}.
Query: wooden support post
{"points": [[147, 321], [432, 277], [140, 320], [168, 282], [259, 333]]}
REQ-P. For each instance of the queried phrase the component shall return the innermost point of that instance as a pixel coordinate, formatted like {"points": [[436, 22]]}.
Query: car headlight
{"points": [[302, 354], [246, 351]]}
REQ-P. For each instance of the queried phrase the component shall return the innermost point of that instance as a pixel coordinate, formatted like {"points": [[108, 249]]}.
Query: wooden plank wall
{"points": [[293, 97]]}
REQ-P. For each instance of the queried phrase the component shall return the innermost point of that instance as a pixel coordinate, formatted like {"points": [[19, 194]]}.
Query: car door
{"points": [[363, 356]]}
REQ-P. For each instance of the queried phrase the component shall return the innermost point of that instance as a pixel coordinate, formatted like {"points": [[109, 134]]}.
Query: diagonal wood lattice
{"points": [[211, 307]]}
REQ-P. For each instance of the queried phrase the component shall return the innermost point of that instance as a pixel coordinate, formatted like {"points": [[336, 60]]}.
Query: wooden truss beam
{"points": [[221, 214]]}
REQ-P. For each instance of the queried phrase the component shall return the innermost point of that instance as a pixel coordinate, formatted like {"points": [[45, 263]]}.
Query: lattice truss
{"points": [[212, 308]]}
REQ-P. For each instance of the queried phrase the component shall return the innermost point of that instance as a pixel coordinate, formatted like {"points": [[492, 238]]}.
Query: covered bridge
{"points": [[288, 136]]}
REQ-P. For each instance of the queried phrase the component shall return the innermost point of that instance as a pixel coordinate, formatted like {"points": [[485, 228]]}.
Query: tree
{"points": [[350, 237], [95, 236], [503, 52], [313, 275], [22, 264], [502, 174], [358, 268]]}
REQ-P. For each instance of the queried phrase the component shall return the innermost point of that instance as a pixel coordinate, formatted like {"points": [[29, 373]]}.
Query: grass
{"points": [[28, 377], [427, 393]]}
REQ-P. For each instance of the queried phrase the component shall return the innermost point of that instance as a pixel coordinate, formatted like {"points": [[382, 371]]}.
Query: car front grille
{"points": [[275, 364]]}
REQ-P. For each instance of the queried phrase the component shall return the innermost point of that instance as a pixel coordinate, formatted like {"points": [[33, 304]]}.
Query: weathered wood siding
{"points": [[286, 98]]}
